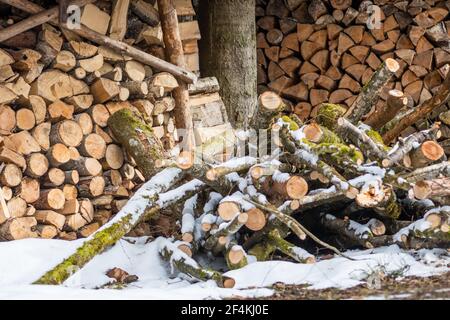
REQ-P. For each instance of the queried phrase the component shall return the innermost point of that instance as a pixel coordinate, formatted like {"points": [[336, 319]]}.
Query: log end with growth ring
{"points": [[312, 132], [270, 101], [432, 150], [256, 219], [296, 187], [228, 210], [186, 249]]}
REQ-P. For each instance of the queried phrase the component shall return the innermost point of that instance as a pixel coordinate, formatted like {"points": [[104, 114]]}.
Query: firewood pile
{"points": [[318, 51], [336, 180], [64, 173]]}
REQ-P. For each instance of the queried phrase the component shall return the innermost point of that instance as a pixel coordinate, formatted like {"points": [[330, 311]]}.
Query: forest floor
{"points": [[409, 288]]}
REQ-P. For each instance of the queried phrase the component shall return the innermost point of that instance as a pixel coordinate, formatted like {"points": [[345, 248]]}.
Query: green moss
{"points": [[292, 124], [376, 137], [138, 139], [340, 152], [100, 241], [328, 114], [262, 250]]}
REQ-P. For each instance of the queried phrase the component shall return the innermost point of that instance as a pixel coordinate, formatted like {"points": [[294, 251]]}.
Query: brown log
{"points": [[18, 228], [54, 178], [428, 152], [395, 102], [25, 119], [37, 165], [47, 231], [91, 187], [93, 146], [67, 132]]}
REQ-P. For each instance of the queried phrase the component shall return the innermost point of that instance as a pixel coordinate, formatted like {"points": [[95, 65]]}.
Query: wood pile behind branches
{"points": [[64, 172], [315, 51]]}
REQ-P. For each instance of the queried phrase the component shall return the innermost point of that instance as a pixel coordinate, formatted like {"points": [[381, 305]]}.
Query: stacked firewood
{"points": [[315, 51], [64, 173]]}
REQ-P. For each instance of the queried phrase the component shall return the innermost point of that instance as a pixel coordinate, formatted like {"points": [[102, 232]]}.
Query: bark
{"points": [[228, 43], [138, 139], [370, 92]]}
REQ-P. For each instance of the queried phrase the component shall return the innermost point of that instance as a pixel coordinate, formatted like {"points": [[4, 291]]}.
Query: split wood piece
{"points": [[9, 156], [170, 252], [138, 139], [395, 102], [123, 223], [18, 228], [41, 133], [442, 95], [7, 119], [114, 156], [370, 92], [100, 39], [426, 153], [426, 189], [405, 146], [371, 149], [174, 50], [54, 178], [227, 229]]}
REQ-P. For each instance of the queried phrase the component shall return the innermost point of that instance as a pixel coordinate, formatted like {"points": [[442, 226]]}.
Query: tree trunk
{"points": [[228, 49]]}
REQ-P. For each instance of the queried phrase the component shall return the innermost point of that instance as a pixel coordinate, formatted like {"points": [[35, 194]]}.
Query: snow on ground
{"points": [[23, 261]]}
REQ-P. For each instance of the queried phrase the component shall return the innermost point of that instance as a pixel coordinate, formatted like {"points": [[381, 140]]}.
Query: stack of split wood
{"points": [[64, 172], [315, 51]]}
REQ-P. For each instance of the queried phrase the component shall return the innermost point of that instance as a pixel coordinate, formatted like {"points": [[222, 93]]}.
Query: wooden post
{"points": [[175, 54]]}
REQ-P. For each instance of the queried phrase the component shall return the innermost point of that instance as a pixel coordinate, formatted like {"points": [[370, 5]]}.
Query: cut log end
{"points": [[256, 219], [228, 210]]}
